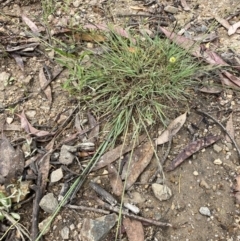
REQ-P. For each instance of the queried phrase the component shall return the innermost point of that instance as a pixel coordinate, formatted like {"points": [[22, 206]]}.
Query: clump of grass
{"points": [[133, 79]]}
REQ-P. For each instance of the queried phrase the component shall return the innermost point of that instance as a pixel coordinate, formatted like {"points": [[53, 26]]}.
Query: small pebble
{"points": [[205, 211], [195, 173], [217, 148], [204, 184], [170, 9], [217, 162]]}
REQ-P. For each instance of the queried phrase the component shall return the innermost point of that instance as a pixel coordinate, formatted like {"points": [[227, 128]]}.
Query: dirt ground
{"points": [[204, 180]]}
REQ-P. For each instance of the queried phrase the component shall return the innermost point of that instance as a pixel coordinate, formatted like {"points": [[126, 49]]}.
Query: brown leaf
{"points": [[192, 46], [210, 90], [30, 24], [44, 165], [17, 166], [172, 129], [232, 78], [223, 22], [18, 60], [29, 128], [120, 31], [192, 148], [230, 128], [233, 28], [42, 81], [226, 81], [7, 154], [115, 180], [116, 153], [93, 135], [134, 229], [138, 167]]}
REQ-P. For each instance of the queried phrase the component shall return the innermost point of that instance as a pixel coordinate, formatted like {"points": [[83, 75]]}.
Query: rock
{"points": [[161, 192], [204, 184], [217, 148], [217, 162], [131, 207], [195, 173], [65, 233], [30, 113], [43, 224], [66, 157], [9, 120], [76, 3], [56, 175], [27, 79], [205, 211], [48, 203], [96, 230], [170, 9], [4, 78], [229, 145]]}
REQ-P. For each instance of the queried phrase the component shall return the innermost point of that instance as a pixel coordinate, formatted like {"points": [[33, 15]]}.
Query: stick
{"points": [[35, 214], [83, 208], [139, 218], [223, 128]]}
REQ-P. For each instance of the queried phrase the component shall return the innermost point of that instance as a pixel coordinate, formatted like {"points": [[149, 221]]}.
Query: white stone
{"points": [[56, 175], [205, 211], [217, 162], [161, 192], [195, 173]]}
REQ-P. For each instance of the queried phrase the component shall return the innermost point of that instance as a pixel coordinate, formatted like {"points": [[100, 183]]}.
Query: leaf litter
{"points": [[163, 139], [192, 148]]}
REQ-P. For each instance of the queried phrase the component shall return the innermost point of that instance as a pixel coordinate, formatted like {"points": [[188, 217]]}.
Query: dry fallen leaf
{"points": [[210, 90], [232, 78], [7, 154], [30, 24], [138, 167], [226, 81], [134, 229], [29, 128], [233, 28], [18, 60], [44, 165], [120, 31], [42, 81], [172, 129], [116, 153], [93, 135], [192, 148], [230, 128], [194, 48], [115, 180]]}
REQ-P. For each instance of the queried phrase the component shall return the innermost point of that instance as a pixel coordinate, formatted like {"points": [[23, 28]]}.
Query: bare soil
{"points": [[197, 183]]}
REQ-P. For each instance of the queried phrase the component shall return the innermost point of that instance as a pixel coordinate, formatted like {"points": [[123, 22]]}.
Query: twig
{"points": [[139, 218], [140, 15], [83, 208], [38, 191], [223, 128]]}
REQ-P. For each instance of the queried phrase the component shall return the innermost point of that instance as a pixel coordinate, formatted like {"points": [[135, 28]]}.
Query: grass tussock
{"points": [[131, 80]]}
